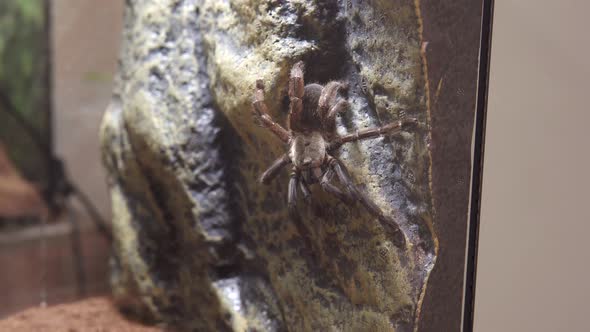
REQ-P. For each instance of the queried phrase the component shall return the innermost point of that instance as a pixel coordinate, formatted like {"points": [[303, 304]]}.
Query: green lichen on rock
{"points": [[199, 243]]}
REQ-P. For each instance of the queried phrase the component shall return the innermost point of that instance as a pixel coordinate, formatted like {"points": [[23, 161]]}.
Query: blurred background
{"points": [[534, 221], [82, 48]]}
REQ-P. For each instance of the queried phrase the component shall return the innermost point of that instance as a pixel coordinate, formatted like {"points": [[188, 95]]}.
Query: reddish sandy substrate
{"points": [[94, 315]]}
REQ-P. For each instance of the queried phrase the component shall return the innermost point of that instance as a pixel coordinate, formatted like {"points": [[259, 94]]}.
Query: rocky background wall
{"points": [[201, 244]]}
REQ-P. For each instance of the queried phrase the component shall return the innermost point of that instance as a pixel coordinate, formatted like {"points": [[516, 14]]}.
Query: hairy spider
{"points": [[312, 140]]}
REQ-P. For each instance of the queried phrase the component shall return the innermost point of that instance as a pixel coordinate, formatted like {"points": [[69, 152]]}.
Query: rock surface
{"points": [[200, 244]]}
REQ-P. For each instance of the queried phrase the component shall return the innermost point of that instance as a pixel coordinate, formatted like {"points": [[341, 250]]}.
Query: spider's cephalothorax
{"points": [[312, 140]]}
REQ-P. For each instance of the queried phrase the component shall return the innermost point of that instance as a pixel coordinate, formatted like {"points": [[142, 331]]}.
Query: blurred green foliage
{"points": [[23, 73]]}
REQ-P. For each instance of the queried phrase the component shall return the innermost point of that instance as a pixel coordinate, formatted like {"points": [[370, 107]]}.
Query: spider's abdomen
{"points": [[308, 119], [308, 150]]}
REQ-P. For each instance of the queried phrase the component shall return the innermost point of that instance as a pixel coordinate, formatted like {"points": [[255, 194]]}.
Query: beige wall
{"points": [[533, 256], [86, 40], [85, 43]]}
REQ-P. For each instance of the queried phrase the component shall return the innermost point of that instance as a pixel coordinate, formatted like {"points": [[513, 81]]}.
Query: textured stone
{"points": [[199, 243]]}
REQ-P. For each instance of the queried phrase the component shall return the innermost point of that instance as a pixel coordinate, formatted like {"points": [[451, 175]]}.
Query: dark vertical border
{"points": [[48, 107], [479, 140]]}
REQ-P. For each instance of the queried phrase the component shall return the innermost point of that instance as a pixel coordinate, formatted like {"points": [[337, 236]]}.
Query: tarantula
{"points": [[312, 140]]}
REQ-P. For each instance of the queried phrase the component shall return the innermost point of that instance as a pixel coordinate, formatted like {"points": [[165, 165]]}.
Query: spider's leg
{"points": [[260, 111], [296, 91], [388, 222], [305, 190], [330, 119], [389, 129], [332, 189], [292, 193], [294, 182], [274, 169], [328, 97]]}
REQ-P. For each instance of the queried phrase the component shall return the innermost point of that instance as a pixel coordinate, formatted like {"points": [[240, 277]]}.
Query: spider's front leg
{"points": [[305, 191], [388, 222], [326, 184], [260, 110], [292, 192]]}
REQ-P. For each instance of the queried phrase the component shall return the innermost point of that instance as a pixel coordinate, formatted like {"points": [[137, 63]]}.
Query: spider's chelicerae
{"points": [[312, 140]]}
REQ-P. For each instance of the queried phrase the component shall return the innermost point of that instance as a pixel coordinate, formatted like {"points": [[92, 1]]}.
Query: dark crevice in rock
{"points": [[233, 262], [210, 175], [165, 240], [229, 154], [327, 28]]}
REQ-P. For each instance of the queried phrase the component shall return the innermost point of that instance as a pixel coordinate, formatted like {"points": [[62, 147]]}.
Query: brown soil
{"points": [[96, 314]]}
